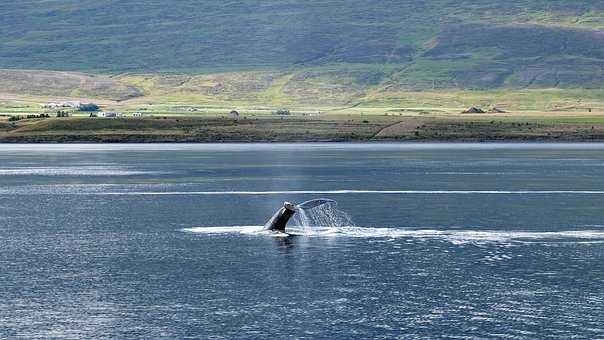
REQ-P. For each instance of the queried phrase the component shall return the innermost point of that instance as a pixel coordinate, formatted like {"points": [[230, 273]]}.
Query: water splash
{"points": [[324, 216]]}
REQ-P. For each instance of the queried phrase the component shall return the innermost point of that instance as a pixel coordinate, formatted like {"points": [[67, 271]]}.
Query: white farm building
{"points": [[109, 114]]}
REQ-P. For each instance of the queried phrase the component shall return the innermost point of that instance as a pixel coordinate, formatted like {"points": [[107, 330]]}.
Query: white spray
{"points": [[323, 216]]}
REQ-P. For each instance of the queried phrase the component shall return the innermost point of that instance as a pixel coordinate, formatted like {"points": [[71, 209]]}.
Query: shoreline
{"points": [[309, 141], [127, 141], [329, 129]]}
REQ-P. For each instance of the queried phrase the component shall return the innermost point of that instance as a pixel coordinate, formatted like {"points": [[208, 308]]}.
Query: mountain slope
{"points": [[406, 44]]}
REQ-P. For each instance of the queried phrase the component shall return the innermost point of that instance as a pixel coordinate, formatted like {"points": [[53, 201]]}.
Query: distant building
{"points": [[109, 114], [474, 109], [68, 104], [234, 114], [72, 104], [51, 105]]}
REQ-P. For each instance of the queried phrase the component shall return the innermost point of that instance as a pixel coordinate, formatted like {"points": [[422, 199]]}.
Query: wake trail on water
{"points": [[454, 236], [168, 189], [98, 170]]}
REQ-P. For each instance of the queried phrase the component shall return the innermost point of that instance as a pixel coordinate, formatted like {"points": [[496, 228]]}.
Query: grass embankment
{"points": [[496, 128], [306, 129], [189, 129]]}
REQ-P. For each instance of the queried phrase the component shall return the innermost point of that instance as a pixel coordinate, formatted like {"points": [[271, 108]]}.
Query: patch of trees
{"points": [[89, 107], [31, 116], [282, 112], [62, 114]]}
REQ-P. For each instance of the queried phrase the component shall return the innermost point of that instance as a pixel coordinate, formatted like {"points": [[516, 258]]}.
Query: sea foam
{"points": [[455, 236]]}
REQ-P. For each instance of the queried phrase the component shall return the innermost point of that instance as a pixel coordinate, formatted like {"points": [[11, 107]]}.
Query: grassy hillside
{"points": [[323, 47], [345, 88], [64, 84]]}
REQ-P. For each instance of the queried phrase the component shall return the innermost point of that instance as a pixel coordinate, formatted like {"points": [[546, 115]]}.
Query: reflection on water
{"points": [[166, 241], [285, 244]]}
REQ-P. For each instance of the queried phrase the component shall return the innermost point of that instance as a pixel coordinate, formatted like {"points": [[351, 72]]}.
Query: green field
{"points": [[314, 90]]}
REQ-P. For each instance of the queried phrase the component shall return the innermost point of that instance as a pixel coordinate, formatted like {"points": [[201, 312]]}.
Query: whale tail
{"points": [[315, 203], [285, 213]]}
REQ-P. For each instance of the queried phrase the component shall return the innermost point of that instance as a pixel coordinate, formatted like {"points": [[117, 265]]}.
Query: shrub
{"points": [[282, 112], [41, 115]]}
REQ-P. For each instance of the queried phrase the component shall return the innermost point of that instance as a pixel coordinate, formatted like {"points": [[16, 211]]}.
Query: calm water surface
{"points": [[450, 241]]}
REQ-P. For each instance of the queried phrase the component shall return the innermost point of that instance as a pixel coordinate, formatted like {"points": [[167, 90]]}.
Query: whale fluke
{"points": [[315, 203], [285, 213]]}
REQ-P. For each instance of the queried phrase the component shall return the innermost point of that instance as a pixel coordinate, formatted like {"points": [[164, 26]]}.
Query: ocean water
{"points": [[456, 241]]}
